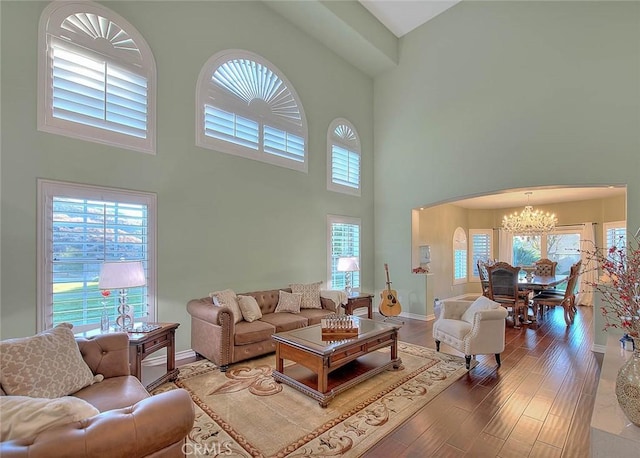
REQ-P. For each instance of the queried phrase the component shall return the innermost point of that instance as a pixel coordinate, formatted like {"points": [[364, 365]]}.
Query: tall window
{"points": [[459, 256], [246, 107], [343, 236], [97, 77], [79, 227], [561, 245], [481, 248], [615, 234], [343, 158]]}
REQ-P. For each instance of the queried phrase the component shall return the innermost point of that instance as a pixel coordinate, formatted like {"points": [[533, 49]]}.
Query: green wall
{"points": [[490, 96], [223, 221]]}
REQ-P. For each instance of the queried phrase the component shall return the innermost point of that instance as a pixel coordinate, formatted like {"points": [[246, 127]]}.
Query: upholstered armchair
{"points": [[472, 327]]}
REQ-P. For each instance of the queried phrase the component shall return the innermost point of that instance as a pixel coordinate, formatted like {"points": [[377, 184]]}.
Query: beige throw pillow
{"points": [[227, 298], [47, 365], [24, 417], [249, 308], [481, 303], [288, 302], [310, 294]]}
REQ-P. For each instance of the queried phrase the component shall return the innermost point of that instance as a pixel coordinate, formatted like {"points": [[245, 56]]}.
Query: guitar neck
{"points": [[386, 270]]}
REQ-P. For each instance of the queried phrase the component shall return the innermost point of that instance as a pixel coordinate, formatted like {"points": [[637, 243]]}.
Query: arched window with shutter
{"points": [[343, 158], [97, 77]]}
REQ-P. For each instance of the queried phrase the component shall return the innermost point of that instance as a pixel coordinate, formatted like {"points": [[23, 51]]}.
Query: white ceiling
{"points": [[402, 16], [540, 197]]}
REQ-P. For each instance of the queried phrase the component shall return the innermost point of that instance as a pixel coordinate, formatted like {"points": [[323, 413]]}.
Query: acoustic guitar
{"points": [[389, 304]]}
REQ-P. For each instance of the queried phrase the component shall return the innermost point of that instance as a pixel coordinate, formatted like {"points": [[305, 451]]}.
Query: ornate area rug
{"points": [[245, 413]]}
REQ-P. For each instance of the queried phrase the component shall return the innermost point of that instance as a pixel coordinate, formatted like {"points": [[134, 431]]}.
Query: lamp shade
{"points": [[121, 274], [348, 264]]}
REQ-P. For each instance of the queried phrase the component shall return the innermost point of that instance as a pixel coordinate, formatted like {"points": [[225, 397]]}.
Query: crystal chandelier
{"points": [[529, 221]]}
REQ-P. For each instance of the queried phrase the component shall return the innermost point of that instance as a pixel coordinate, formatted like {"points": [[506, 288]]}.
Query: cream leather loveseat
{"points": [[130, 423]]}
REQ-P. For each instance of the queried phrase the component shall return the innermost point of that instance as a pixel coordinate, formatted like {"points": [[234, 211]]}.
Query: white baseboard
{"points": [[162, 360], [598, 348]]}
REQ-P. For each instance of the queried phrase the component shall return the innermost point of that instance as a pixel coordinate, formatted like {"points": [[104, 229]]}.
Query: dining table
{"points": [[535, 284]]}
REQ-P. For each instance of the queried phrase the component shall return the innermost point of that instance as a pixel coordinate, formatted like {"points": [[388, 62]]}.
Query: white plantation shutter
{"points": [[459, 256], [96, 93], [96, 77], [343, 174], [81, 227], [481, 248], [247, 108], [344, 240]]}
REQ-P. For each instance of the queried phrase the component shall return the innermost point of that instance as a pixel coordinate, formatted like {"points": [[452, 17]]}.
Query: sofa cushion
{"points": [[457, 329], [114, 393], [285, 321], [24, 416], [314, 316], [288, 302], [251, 332], [227, 298], [310, 294], [47, 365], [249, 308], [481, 303]]}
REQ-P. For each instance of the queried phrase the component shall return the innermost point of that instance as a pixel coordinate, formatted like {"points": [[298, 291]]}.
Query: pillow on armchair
{"points": [[47, 365], [481, 303]]}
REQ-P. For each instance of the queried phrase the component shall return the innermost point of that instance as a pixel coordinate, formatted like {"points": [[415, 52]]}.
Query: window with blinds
{"points": [[459, 256], [615, 234], [97, 77], [344, 241], [246, 107], [481, 249], [81, 227], [343, 174]]}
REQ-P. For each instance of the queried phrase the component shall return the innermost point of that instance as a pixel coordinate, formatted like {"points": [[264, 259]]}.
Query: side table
{"points": [[142, 344], [359, 300]]}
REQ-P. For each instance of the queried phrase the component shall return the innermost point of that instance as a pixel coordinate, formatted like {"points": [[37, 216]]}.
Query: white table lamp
{"points": [[122, 275], [348, 265]]}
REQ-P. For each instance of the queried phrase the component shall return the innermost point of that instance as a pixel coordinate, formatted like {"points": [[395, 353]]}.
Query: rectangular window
{"points": [[344, 240], [91, 91], [345, 167], [283, 144], [459, 266], [230, 127], [481, 248], [79, 228], [615, 234]]}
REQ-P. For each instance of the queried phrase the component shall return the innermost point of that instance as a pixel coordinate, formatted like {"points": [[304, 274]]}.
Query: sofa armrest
{"points": [[328, 304], [205, 310], [136, 431], [493, 314], [106, 354]]}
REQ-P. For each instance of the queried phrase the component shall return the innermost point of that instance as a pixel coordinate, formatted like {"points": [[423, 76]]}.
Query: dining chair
{"points": [[503, 288], [566, 299], [545, 267], [484, 275]]}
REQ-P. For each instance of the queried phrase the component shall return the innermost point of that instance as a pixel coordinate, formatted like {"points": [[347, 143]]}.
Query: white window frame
{"points": [[473, 265], [47, 190], [336, 219], [460, 244], [135, 57], [289, 119], [619, 227], [347, 139]]}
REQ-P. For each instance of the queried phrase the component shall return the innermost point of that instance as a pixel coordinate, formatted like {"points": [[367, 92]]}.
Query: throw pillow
{"points": [[24, 417], [249, 308], [310, 294], [47, 365], [288, 302], [227, 298], [481, 303]]}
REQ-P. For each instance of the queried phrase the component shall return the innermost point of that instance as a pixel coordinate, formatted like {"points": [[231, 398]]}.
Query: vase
{"points": [[628, 385]]}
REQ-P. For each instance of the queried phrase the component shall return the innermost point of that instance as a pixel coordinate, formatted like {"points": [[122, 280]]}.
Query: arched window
{"points": [[97, 77], [343, 158], [246, 107], [459, 256]]}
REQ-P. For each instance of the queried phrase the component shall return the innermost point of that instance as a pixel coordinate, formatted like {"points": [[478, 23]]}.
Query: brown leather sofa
{"points": [[131, 423], [215, 336]]}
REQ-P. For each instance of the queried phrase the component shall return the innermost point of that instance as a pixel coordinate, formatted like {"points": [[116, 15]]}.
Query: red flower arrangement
{"points": [[619, 286]]}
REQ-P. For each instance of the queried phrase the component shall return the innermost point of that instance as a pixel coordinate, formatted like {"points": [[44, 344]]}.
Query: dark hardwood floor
{"points": [[537, 404]]}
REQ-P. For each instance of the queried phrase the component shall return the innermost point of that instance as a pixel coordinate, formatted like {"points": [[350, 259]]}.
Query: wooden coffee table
{"points": [[325, 368]]}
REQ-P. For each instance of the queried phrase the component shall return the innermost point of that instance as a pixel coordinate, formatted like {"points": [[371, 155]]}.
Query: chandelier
{"points": [[529, 221]]}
